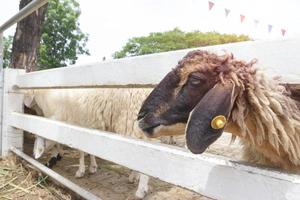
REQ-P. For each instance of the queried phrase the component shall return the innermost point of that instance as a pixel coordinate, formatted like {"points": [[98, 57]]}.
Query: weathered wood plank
{"points": [[150, 69], [211, 176]]}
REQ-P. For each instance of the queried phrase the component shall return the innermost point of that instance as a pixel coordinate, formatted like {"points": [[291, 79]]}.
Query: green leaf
{"points": [[7, 47], [62, 39]]}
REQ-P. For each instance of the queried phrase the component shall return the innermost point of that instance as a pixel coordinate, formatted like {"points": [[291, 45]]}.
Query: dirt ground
{"points": [[111, 180]]}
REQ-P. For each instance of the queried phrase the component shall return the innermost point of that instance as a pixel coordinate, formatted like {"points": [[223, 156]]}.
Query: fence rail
{"points": [[55, 176], [150, 69], [27, 10], [208, 175]]}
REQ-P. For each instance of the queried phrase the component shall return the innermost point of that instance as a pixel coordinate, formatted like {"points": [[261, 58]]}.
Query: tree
{"points": [[62, 39], [27, 39], [173, 40]]}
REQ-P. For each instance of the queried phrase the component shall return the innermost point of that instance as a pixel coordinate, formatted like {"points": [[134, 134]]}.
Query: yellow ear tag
{"points": [[218, 122]]}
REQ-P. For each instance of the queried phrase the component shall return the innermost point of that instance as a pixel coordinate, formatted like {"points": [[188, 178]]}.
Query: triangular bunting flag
{"points": [[227, 11], [242, 17], [210, 5], [270, 28], [256, 22], [283, 31]]}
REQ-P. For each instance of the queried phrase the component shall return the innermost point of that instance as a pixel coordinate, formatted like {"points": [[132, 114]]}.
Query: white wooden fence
{"points": [[209, 175]]}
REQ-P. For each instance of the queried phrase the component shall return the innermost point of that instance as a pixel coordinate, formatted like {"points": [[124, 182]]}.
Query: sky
{"points": [[110, 23]]}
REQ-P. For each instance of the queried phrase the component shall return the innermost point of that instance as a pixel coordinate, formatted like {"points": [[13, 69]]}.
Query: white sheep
{"points": [[109, 109], [40, 144]]}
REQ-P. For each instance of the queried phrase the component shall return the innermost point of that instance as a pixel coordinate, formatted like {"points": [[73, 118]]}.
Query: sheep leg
{"points": [[60, 150], [143, 187], [134, 177], [56, 156], [81, 170], [93, 165]]}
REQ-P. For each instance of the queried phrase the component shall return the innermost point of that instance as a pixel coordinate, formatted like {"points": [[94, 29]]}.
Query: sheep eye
{"points": [[195, 82], [197, 78]]}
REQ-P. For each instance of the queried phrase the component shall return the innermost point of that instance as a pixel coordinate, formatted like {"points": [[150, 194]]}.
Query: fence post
{"points": [[1, 87], [12, 102]]}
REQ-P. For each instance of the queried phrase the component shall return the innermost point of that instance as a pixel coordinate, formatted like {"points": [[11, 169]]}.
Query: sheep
{"points": [[211, 93], [109, 109], [40, 144]]}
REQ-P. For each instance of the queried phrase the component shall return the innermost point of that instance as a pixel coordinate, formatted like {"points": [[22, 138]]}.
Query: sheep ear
{"points": [[208, 119], [29, 100]]}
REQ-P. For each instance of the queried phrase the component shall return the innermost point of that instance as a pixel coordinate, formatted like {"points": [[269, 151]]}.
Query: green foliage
{"points": [[62, 40], [7, 46], [173, 40]]}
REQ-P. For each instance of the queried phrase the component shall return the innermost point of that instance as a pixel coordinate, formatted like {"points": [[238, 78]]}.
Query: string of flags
{"points": [[227, 11], [243, 17]]}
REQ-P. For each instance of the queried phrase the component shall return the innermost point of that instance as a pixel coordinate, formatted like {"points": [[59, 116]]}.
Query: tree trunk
{"points": [[27, 39], [26, 44]]}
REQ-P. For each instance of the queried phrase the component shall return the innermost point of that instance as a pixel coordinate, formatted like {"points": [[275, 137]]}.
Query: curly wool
{"points": [[269, 119], [264, 115]]}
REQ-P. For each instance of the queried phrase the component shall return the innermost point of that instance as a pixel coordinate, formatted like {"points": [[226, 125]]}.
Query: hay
{"points": [[19, 181]]}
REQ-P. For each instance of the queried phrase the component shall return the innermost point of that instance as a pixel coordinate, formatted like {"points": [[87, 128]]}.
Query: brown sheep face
{"points": [[167, 108], [187, 100]]}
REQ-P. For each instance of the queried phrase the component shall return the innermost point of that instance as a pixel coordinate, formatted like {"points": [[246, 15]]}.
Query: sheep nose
{"points": [[148, 128], [141, 115]]}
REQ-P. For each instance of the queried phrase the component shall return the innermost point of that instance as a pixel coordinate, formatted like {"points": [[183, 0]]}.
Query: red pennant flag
{"points": [[283, 31], [227, 11], [210, 5], [242, 17], [270, 28]]}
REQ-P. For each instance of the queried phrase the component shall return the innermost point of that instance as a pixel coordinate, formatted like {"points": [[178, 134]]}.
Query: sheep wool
{"points": [[109, 109], [265, 114]]}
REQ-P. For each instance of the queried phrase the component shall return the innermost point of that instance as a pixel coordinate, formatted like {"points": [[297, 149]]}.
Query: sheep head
{"points": [[201, 87], [29, 100]]}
